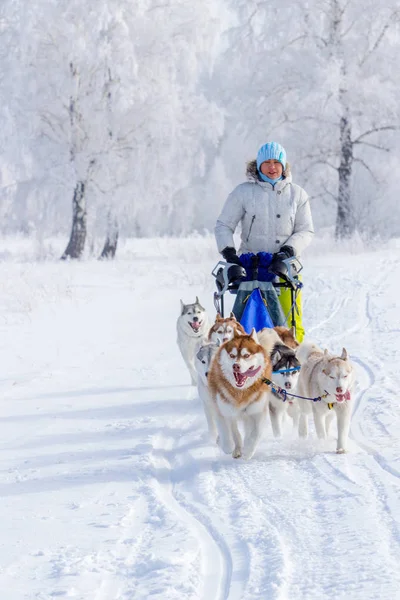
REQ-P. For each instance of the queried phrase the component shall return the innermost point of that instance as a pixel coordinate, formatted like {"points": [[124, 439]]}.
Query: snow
{"points": [[110, 488]]}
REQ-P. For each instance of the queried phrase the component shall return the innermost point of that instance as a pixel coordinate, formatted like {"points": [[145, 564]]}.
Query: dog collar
{"points": [[347, 397]]}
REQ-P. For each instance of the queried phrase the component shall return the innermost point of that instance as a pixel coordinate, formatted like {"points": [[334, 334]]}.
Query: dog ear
{"points": [[344, 354], [275, 355], [182, 307], [232, 316], [254, 336], [197, 300], [218, 317]]}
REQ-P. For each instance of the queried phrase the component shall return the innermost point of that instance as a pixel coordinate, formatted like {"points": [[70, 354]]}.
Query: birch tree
{"points": [[353, 95]]}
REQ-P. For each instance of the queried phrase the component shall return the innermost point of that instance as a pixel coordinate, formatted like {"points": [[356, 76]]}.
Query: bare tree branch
{"points": [[372, 146], [292, 42], [360, 160], [320, 162], [349, 28], [374, 130], [393, 18]]}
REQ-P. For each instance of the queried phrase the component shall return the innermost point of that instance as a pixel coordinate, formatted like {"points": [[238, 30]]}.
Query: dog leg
{"points": [[294, 412], [303, 425], [225, 436], [343, 424], [328, 421], [193, 373], [237, 438], [210, 416], [276, 420], [319, 421], [209, 409], [191, 368], [254, 427]]}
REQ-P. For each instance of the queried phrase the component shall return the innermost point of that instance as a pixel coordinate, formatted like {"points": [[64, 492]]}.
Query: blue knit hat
{"points": [[271, 150]]}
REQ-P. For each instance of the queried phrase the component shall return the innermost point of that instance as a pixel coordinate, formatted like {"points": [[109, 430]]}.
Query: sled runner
{"points": [[257, 286]]}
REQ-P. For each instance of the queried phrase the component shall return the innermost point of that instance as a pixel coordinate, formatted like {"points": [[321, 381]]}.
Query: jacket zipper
{"points": [[251, 225]]}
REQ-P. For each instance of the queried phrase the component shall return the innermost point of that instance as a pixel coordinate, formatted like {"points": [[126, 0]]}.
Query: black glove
{"points": [[289, 251], [229, 254], [284, 253]]}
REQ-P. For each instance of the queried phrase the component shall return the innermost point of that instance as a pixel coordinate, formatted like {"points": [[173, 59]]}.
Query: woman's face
{"points": [[271, 168]]}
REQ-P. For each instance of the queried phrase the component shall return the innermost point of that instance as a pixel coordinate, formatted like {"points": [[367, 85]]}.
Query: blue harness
{"points": [[287, 370]]}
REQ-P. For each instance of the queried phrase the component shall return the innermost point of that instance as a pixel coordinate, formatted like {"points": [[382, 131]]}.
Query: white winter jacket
{"points": [[270, 216]]}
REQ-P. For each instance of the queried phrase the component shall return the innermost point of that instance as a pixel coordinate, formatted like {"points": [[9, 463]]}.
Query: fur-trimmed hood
{"points": [[253, 175]]}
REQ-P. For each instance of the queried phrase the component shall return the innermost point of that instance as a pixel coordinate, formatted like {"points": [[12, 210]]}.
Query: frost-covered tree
{"points": [[141, 116], [352, 107]]}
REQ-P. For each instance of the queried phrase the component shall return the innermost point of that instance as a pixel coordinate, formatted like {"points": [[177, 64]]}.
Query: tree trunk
{"points": [[345, 223], [79, 217], [110, 245]]}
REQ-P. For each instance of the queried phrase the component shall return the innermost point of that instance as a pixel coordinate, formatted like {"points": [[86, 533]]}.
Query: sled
{"points": [[257, 289]]}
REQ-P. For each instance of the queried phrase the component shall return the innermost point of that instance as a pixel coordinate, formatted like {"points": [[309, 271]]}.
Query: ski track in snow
{"points": [[144, 506], [216, 564]]}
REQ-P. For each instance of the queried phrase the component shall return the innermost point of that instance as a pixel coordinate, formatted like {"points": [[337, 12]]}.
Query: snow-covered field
{"points": [[110, 489]]}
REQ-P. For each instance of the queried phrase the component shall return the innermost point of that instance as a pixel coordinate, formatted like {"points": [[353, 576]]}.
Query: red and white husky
{"points": [[224, 329], [280, 334], [236, 386]]}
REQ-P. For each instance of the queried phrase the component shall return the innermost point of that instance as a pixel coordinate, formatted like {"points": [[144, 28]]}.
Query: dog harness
{"points": [[287, 370], [284, 393]]}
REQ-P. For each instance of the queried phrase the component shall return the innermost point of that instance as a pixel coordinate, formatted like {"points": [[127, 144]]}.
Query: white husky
{"points": [[192, 327], [331, 378], [203, 360]]}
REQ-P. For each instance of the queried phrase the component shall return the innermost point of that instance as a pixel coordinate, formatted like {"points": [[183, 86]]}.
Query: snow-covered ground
{"points": [[110, 488]]}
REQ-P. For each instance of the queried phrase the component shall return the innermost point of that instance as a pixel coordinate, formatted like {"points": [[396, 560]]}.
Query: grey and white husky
{"points": [[203, 360], [285, 373], [330, 377], [192, 329]]}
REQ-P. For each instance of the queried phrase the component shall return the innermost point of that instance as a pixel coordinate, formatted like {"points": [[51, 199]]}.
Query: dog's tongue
{"points": [[240, 378], [195, 325], [252, 371], [343, 397]]}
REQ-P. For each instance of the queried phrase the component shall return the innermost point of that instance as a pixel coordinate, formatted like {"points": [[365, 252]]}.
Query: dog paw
{"points": [[237, 453], [248, 454], [341, 451]]}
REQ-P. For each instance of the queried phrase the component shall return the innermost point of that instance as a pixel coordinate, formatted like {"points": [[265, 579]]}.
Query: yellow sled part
{"points": [[285, 300]]}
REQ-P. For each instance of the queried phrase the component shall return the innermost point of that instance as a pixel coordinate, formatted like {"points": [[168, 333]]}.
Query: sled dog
{"points": [[203, 359], [288, 336], [278, 334], [236, 387], [285, 374], [331, 378], [192, 328], [268, 337], [224, 329]]}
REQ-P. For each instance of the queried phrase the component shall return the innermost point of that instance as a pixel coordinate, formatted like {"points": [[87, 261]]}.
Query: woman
{"points": [[274, 214]]}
